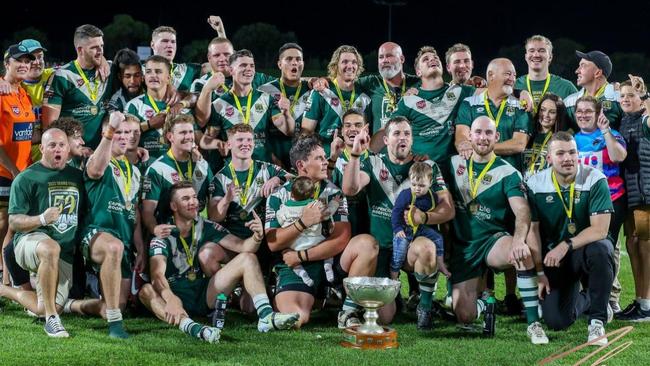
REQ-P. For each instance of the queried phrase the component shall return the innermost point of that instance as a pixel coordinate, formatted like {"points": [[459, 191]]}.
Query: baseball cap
{"points": [[17, 51], [599, 58], [32, 45]]}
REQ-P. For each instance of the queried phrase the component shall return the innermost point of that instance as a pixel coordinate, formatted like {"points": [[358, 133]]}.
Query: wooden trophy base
{"points": [[357, 340]]}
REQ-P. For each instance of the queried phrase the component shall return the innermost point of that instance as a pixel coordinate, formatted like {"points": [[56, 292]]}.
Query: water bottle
{"points": [[489, 327], [219, 315]]}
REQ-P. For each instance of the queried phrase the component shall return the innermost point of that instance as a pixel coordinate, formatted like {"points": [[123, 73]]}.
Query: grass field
{"points": [[23, 342]]}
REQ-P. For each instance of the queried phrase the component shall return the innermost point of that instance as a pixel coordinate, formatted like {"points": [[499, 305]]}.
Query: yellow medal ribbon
{"points": [[599, 92], [317, 191], [93, 93], [391, 94], [569, 210], [155, 106], [127, 177], [473, 185], [189, 250], [410, 214], [343, 103], [530, 90], [247, 117], [178, 167], [537, 154], [243, 195], [489, 111], [296, 95]]}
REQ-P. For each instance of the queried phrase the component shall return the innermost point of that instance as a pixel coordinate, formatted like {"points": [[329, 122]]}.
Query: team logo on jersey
{"points": [[335, 102], [383, 175], [276, 97], [450, 95], [80, 82], [460, 170], [175, 177], [230, 111], [198, 174], [148, 113], [480, 110], [116, 171], [15, 109], [259, 107], [259, 181], [487, 179], [607, 104], [421, 104], [66, 199], [510, 111], [549, 198], [220, 90]]}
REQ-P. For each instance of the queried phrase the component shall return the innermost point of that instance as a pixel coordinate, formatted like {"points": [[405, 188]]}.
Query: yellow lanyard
{"points": [[410, 214], [189, 250], [317, 191], [93, 93], [127, 179], [391, 94], [530, 90], [189, 176], [489, 111], [346, 153], [222, 86], [569, 210], [247, 117], [295, 95], [473, 185], [243, 195], [599, 92], [344, 105], [154, 106], [537, 154]]}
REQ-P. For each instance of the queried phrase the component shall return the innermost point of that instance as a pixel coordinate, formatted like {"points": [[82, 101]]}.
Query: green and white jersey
{"points": [[280, 143], [591, 197], [38, 188], [68, 90], [609, 101], [557, 85], [387, 180], [172, 248], [198, 84], [489, 212], [113, 200], [225, 114], [432, 113], [538, 150], [514, 119], [328, 192], [163, 173], [262, 172], [384, 102], [327, 109], [357, 204], [182, 75], [118, 101], [152, 139]]}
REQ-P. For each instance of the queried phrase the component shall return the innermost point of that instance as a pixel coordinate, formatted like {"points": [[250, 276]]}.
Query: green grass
{"points": [[23, 342]]}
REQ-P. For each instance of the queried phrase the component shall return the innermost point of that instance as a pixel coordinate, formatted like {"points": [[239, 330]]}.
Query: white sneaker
{"points": [[595, 331], [536, 333]]}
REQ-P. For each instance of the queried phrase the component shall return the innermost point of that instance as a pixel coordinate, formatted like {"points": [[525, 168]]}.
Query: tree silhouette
{"points": [[125, 31]]}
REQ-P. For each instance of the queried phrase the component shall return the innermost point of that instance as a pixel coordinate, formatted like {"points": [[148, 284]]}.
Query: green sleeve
{"points": [[367, 82], [275, 171], [514, 186], [215, 118], [523, 122], [401, 110], [341, 214], [219, 189], [159, 247], [213, 232], [600, 201], [19, 197], [315, 110], [438, 181], [464, 114], [152, 187], [337, 178], [568, 89], [57, 89], [534, 216], [272, 206], [520, 83], [197, 86], [132, 109]]}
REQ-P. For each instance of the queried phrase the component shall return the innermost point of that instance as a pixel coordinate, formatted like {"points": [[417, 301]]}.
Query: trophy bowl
{"points": [[371, 293]]}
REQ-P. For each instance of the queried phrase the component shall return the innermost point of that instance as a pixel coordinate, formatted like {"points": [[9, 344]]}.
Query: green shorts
{"points": [[469, 260], [383, 262], [127, 254], [192, 294], [288, 280]]}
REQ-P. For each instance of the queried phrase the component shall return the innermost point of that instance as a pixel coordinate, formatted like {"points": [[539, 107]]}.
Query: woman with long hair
{"points": [[550, 118]]}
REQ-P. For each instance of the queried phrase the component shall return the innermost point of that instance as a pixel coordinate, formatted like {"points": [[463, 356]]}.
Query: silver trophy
{"points": [[371, 293]]}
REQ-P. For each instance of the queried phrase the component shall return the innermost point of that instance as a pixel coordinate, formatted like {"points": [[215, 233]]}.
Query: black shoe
{"points": [[635, 314], [413, 301], [634, 304], [425, 318], [441, 312], [489, 323], [513, 305]]}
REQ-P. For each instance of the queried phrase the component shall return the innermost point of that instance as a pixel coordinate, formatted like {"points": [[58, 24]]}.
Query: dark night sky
{"points": [[364, 24]]}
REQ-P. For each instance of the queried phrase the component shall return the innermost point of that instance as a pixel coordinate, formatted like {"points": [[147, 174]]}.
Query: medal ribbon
{"points": [[569, 210], [247, 116], [599, 92], [530, 90], [127, 177], [391, 94], [317, 191], [243, 195], [473, 185], [178, 167], [93, 93], [296, 95], [410, 214], [489, 111], [189, 250], [537, 154], [155, 106], [338, 91]]}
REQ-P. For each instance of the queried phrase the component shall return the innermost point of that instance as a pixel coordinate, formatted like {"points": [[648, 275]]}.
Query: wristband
{"points": [[295, 224], [108, 134], [185, 104], [302, 224], [540, 273], [300, 256], [306, 254], [426, 218], [569, 243], [605, 132], [355, 155], [41, 217]]}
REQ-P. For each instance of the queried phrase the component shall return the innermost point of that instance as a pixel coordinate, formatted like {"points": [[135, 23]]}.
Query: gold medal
{"points": [[128, 205], [243, 215], [94, 110], [191, 275], [473, 208], [571, 227]]}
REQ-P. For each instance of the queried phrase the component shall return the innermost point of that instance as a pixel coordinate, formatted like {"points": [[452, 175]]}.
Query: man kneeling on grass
{"points": [[178, 287]]}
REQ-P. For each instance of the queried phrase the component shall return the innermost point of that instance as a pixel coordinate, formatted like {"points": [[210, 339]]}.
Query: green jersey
{"points": [[238, 214], [556, 85], [113, 200], [327, 108], [182, 75], [198, 84], [84, 101], [514, 119], [387, 180], [38, 188], [152, 139], [357, 204], [327, 192], [178, 265], [225, 114], [432, 113], [591, 197], [280, 143], [534, 156], [489, 212], [164, 172], [609, 101], [384, 98]]}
